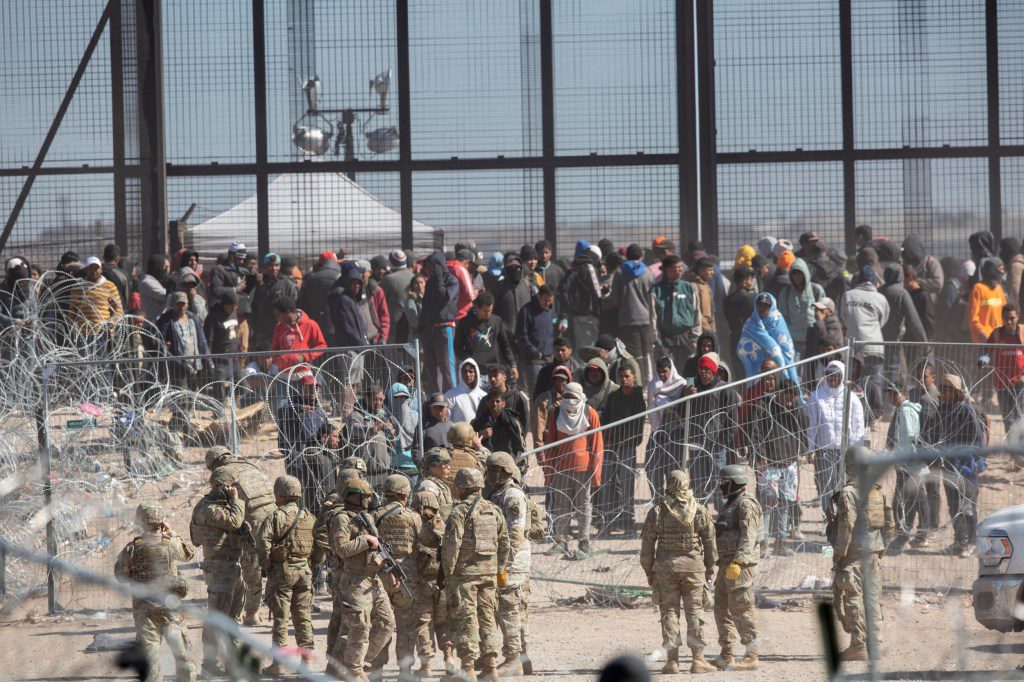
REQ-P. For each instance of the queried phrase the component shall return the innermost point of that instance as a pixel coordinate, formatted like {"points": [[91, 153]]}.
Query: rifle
{"points": [[389, 565]]}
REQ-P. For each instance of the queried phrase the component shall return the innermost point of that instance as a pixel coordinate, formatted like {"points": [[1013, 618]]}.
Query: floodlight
{"points": [[312, 134], [381, 84], [382, 140]]}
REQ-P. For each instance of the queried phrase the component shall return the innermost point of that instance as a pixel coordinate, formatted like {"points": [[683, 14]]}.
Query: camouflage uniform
{"points": [[514, 597], [475, 546], [254, 491], [460, 438], [401, 527], [285, 543], [151, 559], [432, 499], [216, 521], [738, 529], [677, 551], [359, 589], [860, 530]]}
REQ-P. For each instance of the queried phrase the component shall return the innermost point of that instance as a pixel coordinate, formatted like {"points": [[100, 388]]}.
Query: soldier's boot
{"points": [[354, 675], [210, 671], [335, 670], [490, 668], [405, 673], [671, 662], [375, 673], [425, 671], [855, 652], [512, 665], [468, 671], [451, 665], [700, 664], [724, 660], [274, 670], [252, 618], [748, 662]]}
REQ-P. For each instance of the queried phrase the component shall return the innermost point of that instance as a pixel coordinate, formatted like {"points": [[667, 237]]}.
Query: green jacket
{"points": [[676, 308]]}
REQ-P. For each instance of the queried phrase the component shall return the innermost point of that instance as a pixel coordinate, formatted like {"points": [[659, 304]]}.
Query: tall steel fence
{"points": [[303, 125]]}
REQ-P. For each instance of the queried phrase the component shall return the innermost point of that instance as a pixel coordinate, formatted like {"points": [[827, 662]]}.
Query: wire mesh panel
{"points": [[943, 200], [919, 73], [1013, 197], [614, 76], [475, 81], [63, 212], [43, 44], [1010, 16], [782, 200], [623, 204], [777, 76], [496, 209], [208, 81], [212, 197]]}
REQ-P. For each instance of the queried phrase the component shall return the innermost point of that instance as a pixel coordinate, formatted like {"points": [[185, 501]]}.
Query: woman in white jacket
{"points": [[825, 430]]}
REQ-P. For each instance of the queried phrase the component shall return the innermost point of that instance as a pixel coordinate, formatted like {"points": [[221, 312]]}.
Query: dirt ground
{"points": [[572, 642]]}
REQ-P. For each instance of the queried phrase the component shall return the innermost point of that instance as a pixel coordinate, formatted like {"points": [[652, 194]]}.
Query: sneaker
{"points": [[920, 542]]}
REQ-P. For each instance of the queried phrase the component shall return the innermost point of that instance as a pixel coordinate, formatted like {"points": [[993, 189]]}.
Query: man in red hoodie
{"points": [[467, 292], [1007, 351], [295, 332]]}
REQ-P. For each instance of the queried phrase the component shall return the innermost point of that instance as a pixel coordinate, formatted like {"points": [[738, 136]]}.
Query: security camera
{"points": [[381, 84]]}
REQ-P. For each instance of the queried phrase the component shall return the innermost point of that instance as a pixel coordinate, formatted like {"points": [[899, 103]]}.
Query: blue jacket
{"points": [[441, 296], [535, 333]]}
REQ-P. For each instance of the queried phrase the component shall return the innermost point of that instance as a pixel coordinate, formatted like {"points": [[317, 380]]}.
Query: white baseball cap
{"points": [[13, 263], [92, 260]]}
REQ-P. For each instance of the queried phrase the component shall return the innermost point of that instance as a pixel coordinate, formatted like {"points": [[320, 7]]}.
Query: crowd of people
{"points": [[578, 362]]}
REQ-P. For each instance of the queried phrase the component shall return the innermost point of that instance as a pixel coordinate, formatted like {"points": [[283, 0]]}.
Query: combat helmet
{"points": [[218, 455], [461, 435], [735, 474], [436, 457], [469, 478], [353, 462], [397, 484], [150, 514], [287, 486]]}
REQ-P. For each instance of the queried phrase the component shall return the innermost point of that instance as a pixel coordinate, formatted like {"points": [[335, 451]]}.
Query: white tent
{"points": [[311, 213]]}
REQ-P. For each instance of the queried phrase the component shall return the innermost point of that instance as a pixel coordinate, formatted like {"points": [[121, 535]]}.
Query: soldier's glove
{"points": [[732, 571], [502, 578]]}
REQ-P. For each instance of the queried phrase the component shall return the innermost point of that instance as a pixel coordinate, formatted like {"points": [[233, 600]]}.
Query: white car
{"points": [[997, 591]]}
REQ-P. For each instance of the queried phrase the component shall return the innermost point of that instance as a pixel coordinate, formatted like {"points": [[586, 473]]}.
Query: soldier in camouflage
{"points": [[432, 499], [514, 596], [284, 543], [465, 450], [678, 554], [738, 529], [861, 532], [400, 526], [216, 523], [365, 632], [474, 554], [254, 491], [151, 560]]}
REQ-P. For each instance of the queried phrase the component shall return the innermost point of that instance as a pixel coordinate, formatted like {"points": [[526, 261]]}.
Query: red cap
{"points": [[326, 256], [308, 380]]}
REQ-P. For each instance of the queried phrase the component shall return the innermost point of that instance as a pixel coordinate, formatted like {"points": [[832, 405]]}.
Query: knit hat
{"points": [[562, 371], [398, 259], [867, 274], [378, 263], [780, 246], [496, 263], [786, 258], [708, 363], [271, 258], [179, 297], [237, 248]]}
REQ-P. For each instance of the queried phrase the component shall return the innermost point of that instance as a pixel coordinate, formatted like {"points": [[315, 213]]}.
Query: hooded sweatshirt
{"points": [[346, 318], [825, 413], [441, 295], [985, 306], [864, 311], [927, 268], [313, 295], [597, 394], [1009, 252], [631, 290], [798, 306], [302, 335], [904, 323], [464, 399], [513, 293]]}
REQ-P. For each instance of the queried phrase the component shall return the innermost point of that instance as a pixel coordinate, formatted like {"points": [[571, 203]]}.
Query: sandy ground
{"points": [[572, 642]]}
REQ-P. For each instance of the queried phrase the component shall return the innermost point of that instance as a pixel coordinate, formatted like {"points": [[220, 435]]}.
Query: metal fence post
{"points": [[231, 400], [44, 465], [848, 361], [419, 389], [3, 573]]}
